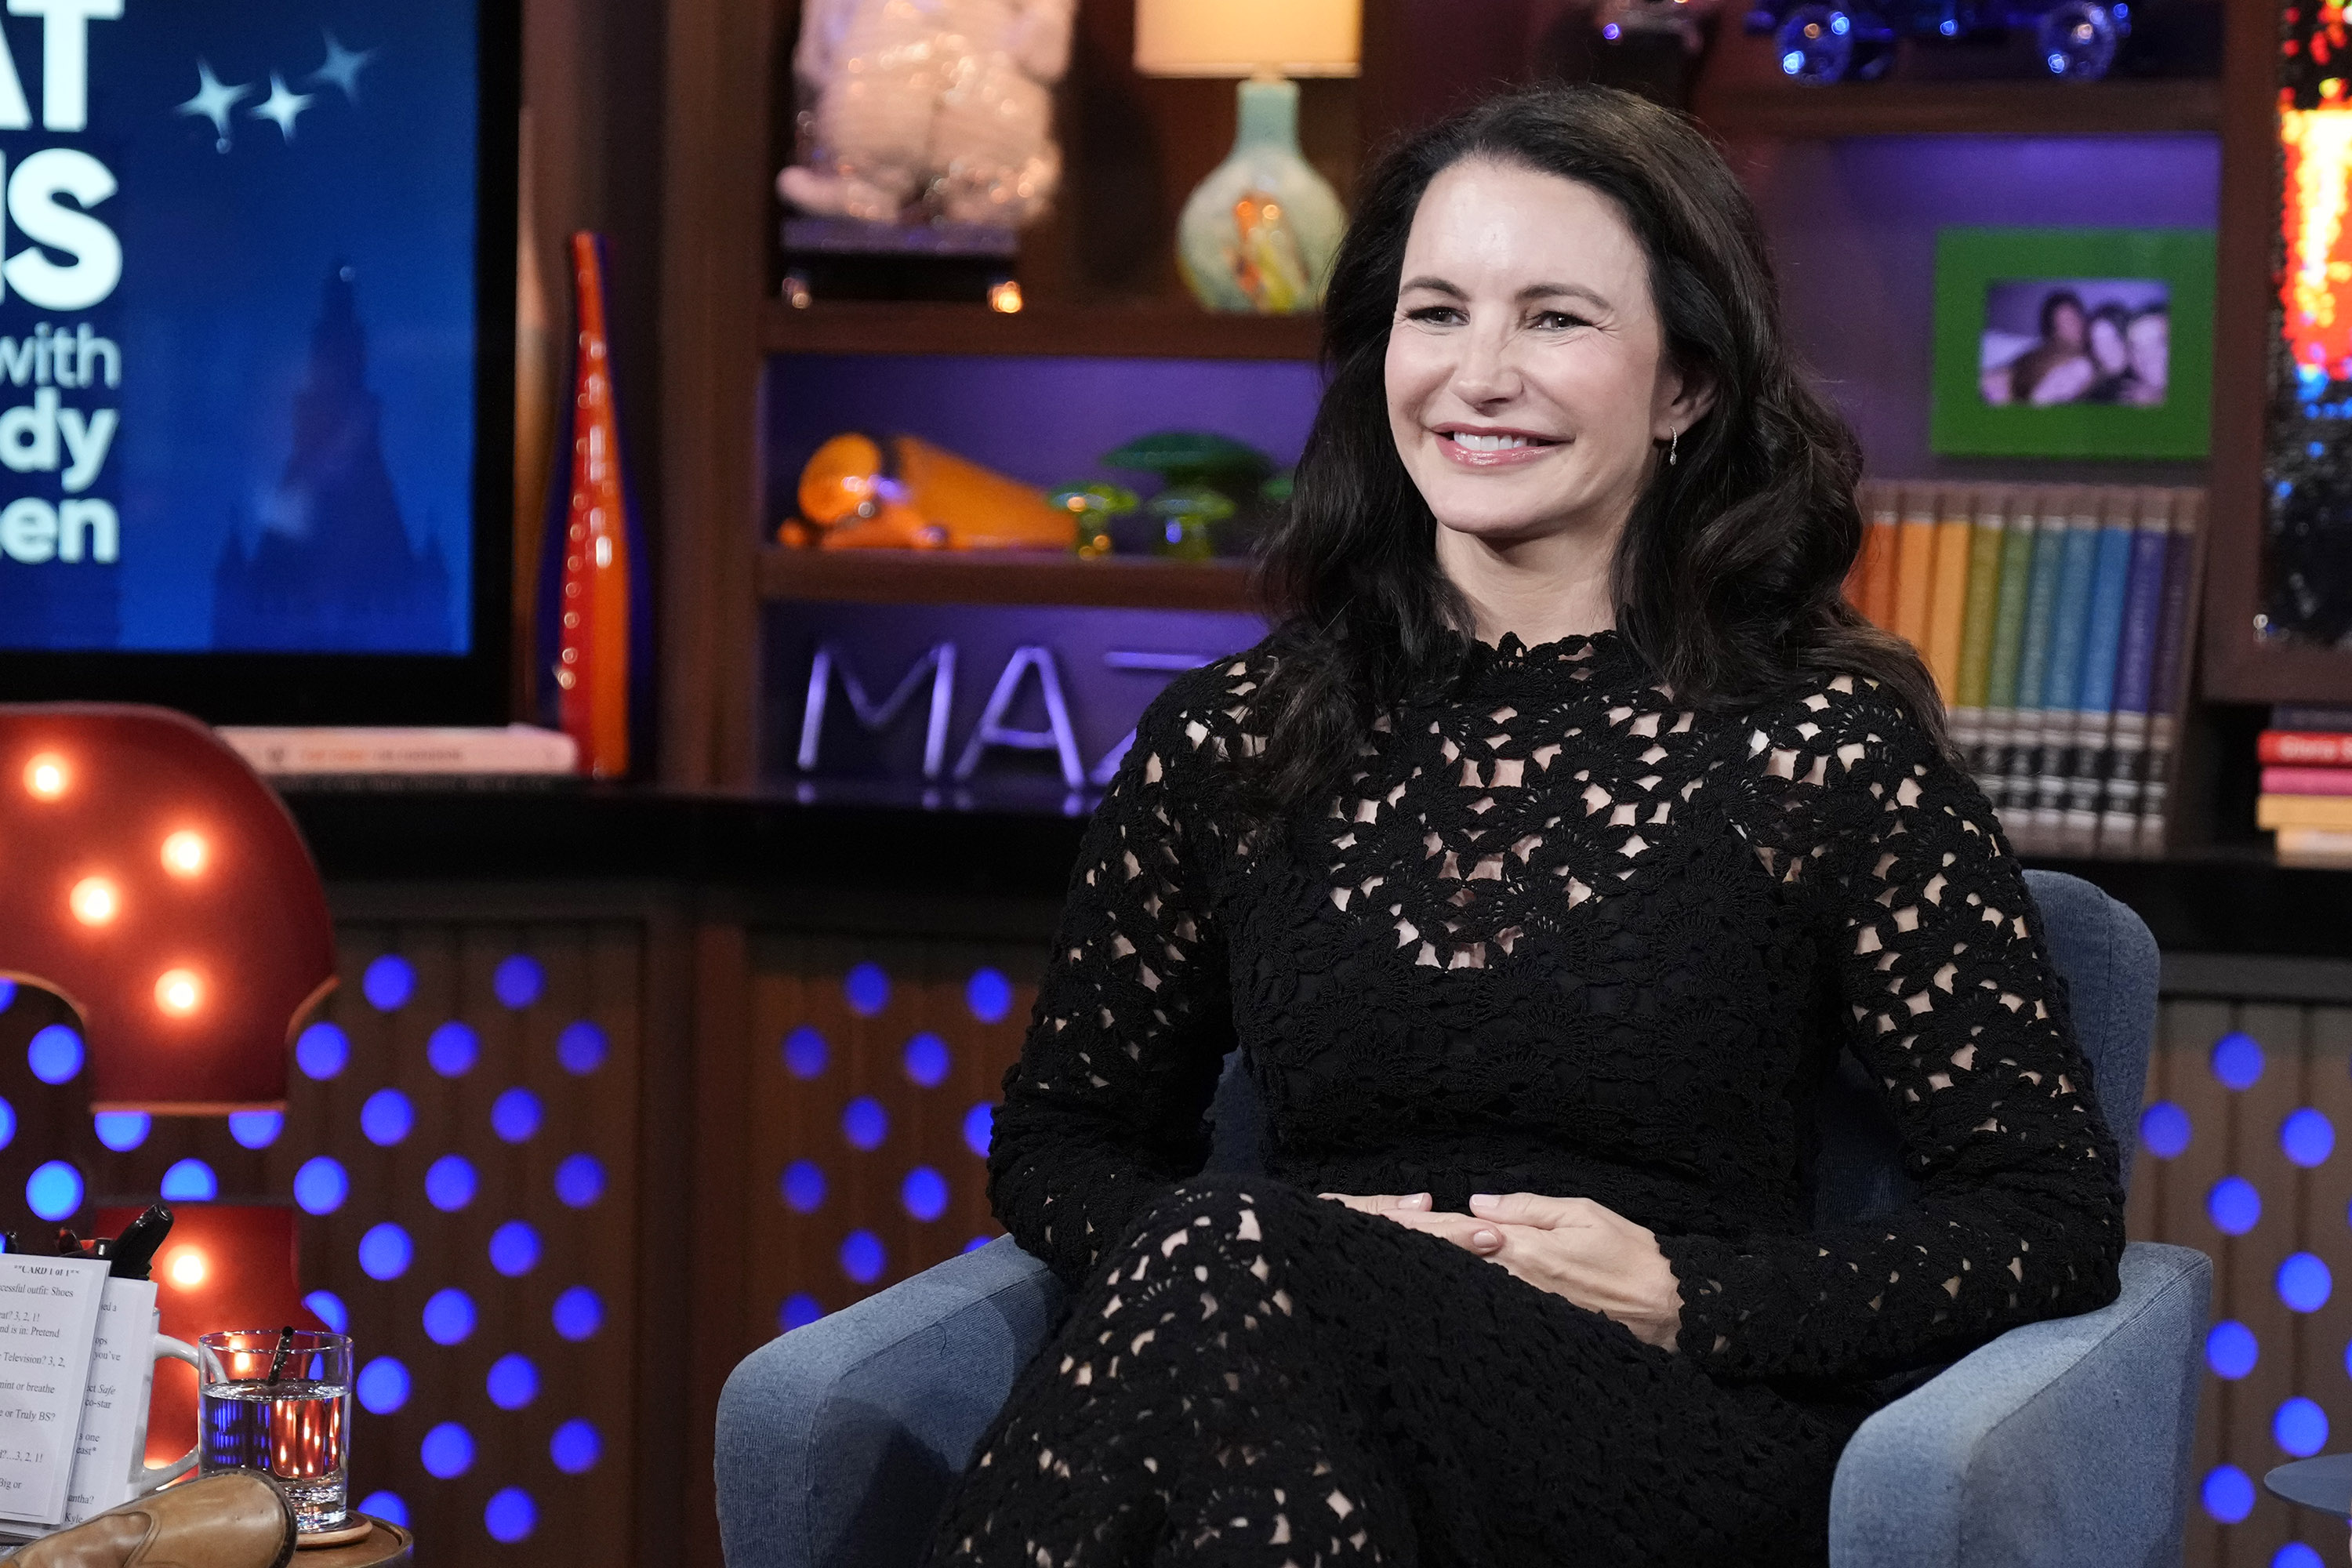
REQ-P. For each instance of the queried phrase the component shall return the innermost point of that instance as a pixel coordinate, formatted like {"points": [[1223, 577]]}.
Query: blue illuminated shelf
{"points": [[1008, 577], [1175, 329], [1775, 107]]}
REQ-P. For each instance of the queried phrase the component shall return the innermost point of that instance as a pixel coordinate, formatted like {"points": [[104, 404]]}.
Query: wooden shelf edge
{"points": [[1173, 330], [1960, 108], [935, 577]]}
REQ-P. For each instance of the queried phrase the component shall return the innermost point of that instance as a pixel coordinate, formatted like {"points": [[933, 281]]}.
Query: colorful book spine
{"points": [[2126, 764], [1986, 536], [1947, 593], [2167, 688], [2295, 716], [2095, 704], [2333, 812], [2024, 753], [2307, 781], [1880, 551], [2313, 847], [2303, 747], [1991, 764], [1914, 566]]}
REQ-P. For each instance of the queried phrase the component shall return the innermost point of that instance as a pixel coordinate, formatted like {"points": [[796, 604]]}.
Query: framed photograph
{"points": [[2073, 342]]}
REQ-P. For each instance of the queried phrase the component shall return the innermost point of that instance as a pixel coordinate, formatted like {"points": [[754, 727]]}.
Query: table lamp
{"points": [[151, 880], [1259, 233]]}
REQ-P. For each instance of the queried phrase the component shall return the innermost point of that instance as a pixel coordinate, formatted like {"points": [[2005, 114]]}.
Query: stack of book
{"points": [[2307, 757], [2057, 622]]}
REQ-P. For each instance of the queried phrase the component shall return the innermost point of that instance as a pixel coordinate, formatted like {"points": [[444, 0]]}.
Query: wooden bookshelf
{"points": [[1788, 109], [1009, 577], [1144, 330]]}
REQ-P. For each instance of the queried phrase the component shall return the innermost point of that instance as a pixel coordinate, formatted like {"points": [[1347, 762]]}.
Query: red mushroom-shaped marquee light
{"points": [[150, 879]]}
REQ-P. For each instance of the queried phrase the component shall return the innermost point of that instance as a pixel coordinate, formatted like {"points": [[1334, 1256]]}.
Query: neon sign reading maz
{"points": [[937, 671]]}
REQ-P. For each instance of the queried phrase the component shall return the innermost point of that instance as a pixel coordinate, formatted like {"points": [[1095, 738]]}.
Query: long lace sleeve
{"points": [[1103, 1111], [1950, 1003]]}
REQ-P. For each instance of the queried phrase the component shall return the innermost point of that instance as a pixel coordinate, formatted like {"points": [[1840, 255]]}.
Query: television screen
{"points": [[251, 252]]}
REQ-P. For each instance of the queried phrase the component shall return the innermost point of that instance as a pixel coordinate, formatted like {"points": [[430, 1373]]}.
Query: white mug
{"points": [[109, 1466], [145, 1478]]}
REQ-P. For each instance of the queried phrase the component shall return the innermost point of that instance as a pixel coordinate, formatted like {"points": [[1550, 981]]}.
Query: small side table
{"points": [[386, 1546]]}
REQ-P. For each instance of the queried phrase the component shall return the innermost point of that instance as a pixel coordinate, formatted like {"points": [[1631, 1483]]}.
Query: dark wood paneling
{"points": [[1172, 329], [971, 577]]}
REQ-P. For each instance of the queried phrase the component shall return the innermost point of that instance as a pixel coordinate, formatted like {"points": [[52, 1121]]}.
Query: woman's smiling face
{"points": [[1527, 373]]}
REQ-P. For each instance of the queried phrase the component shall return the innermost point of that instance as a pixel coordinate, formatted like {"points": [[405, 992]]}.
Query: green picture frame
{"points": [[1971, 262]]}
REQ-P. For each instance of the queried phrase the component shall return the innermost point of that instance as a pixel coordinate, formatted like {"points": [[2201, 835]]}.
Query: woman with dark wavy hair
{"points": [[1541, 864]]}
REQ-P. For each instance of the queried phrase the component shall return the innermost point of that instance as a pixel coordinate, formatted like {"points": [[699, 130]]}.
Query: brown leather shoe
{"points": [[233, 1519]]}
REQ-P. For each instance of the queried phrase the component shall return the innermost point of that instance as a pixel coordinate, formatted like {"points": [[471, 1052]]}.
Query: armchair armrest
{"points": [[838, 1441], [2060, 1443]]}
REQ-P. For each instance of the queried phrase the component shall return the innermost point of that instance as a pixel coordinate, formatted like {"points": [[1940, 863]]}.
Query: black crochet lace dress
{"points": [[1558, 936]]}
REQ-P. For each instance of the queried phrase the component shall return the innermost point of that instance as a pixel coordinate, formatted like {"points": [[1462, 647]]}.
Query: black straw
{"points": [[278, 1361]]}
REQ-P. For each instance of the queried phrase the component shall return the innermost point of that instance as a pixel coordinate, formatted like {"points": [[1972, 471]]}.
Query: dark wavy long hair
{"points": [[1730, 576]]}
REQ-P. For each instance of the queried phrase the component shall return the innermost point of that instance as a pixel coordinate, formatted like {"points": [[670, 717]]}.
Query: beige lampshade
{"points": [[1248, 38]]}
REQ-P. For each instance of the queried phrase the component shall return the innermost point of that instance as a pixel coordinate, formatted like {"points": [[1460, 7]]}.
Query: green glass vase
{"points": [[1258, 235]]}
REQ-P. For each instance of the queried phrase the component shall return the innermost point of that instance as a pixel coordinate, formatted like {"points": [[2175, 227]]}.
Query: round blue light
{"points": [[122, 1131], [803, 1186], [510, 1516], [389, 982], [2233, 1205], [2228, 1493], [2304, 1282], [388, 1507], [453, 1048], [2238, 1059], [1841, 24], [7, 1124], [329, 1309], [515, 1115], [862, 1257], [977, 1242], [449, 1183], [255, 1128], [385, 1251], [1792, 63], [513, 1383], [989, 996], [386, 1116], [2307, 1137], [924, 1193], [804, 1052], [518, 981], [2300, 1428], [579, 1181], [869, 989], [2295, 1554], [447, 1451], [448, 1316], [978, 1123], [323, 1051], [799, 1310], [54, 1190], [582, 1047], [320, 1186], [382, 1386], [1948, 27], [575, 1447], [8, 994], [53, 1054], [514, 1249], [578, 1313], [926, 1059], [865, 1123], [2163, 1130], [2232, 1350], [190, 1182]]}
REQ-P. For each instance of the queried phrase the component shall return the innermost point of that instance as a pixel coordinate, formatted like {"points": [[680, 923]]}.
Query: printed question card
{"points": [[114, 1404], [49, 1316]]}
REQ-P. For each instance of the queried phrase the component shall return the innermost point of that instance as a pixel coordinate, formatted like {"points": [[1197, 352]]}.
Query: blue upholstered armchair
{"points": [[2060, 1443]]}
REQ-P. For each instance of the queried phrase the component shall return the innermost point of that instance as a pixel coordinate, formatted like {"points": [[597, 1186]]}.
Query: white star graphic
{"points": [[343, 67], [212, 102], [281, 106]]}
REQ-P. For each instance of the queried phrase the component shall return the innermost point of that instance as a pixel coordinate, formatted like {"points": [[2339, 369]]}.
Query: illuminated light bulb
{"points": [[94, 901], [46, 776], [1004, 298], [179, 992], [187, 1270], [184, 853]]}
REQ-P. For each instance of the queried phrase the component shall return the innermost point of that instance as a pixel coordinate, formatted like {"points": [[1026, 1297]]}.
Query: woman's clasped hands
{"points": [[1573, 1248]]}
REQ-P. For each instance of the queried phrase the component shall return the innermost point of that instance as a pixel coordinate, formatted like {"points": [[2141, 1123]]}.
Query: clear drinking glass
{"points": [[281, 1404]]}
